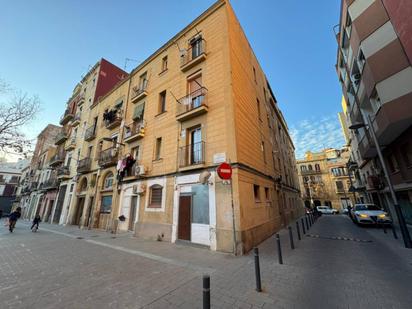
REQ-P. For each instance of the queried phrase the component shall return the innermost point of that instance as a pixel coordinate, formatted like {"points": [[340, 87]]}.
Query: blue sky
{"points": [[47, 45]]}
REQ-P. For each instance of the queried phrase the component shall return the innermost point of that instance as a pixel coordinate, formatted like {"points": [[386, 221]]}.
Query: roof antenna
{"points": [[127, 60]]}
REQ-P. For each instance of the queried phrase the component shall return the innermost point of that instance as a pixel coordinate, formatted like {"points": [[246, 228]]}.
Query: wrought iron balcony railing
{"points": [[108, 157], [193, 154]]}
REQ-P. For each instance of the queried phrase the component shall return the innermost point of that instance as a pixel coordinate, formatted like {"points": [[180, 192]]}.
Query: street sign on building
{"points": [[224, 171]]}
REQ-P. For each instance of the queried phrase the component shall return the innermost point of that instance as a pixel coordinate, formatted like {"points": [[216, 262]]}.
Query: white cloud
{"points": [[317, 133]]}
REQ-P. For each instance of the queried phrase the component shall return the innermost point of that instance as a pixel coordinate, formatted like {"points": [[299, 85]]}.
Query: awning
{"points": [[138, 111]]}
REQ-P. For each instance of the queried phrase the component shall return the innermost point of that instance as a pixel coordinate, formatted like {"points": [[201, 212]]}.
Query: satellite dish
{"points": [[204, 177]]}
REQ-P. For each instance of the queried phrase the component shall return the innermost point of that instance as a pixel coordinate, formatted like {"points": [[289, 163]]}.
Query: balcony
{"points": [[34, 185], [310, 172], [108, 157], [192, 155], [373, 182], [193, 55], [71, 144], [81, 99], [84, 165], [139, 92], [57, 159], [68, 115], [90, 133], [192, 105], [63, 172], [134, 131], [112, 119], [366, 148], [60, 138], [76, 119], [51, 184], [392, 119]]}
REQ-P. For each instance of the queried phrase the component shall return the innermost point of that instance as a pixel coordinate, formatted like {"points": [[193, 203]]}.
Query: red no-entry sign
{"points": [[224, 171]]}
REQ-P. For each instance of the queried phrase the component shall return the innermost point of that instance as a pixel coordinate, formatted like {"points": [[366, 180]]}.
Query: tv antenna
{"points": [[127, 60]]}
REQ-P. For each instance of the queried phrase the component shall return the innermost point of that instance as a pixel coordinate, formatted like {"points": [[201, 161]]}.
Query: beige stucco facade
{"points": [[145, 153], [324, 179]]}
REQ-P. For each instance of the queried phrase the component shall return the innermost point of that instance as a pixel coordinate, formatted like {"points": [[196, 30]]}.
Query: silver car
{"points": [[369, 214]]}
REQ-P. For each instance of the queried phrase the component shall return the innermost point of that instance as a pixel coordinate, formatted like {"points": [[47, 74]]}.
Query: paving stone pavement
{"points": [[65, 267]]}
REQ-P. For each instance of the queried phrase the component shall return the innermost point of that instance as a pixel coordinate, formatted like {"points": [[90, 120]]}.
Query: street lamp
{"points": [[402, 224]]}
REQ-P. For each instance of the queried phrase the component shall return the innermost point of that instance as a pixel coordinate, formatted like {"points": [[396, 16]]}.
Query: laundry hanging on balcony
{"points": [[124, 165]]}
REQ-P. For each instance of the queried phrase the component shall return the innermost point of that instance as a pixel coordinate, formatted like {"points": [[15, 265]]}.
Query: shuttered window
{"points": [[156, 196]]}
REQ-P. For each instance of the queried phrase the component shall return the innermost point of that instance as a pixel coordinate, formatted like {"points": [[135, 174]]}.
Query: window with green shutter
{"points": [[138, 112]]}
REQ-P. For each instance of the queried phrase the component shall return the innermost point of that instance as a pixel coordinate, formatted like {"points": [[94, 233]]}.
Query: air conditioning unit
{"points": [[140, 170]]}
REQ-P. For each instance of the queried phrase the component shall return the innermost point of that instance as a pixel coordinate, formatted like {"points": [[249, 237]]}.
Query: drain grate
{"points": [[339, 238], [79, 237]]}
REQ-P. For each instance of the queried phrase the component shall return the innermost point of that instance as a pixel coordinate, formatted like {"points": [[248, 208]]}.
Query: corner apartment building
{"points": [[324, 179], [152, 144], [374, 67]]}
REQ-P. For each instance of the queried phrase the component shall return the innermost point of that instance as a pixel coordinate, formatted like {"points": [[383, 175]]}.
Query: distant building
{"points": [[374, 65], [324, 179]]}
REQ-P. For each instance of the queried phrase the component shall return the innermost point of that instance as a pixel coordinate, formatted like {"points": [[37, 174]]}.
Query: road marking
{"points": [[150, 256], [339, 238]]}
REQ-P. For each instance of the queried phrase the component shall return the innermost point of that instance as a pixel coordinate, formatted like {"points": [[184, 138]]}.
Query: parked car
{"points": [[369, 214], [325, 210]]}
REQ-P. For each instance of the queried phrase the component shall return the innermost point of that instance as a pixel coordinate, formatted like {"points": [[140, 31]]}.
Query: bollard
{"points": [[292, 245], [311, 219], [279, 249], [206, 292], [307, 223], [384, 228], [303, 226], [394, 232], [298, 229], [257, 270]]}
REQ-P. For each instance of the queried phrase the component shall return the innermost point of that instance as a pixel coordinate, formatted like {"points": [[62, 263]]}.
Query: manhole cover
{"points": [[339, 238], [79, 237]]}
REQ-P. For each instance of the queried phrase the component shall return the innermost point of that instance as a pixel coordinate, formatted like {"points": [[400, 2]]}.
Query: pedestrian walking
{"points": [[14, 216], [36, 222]]}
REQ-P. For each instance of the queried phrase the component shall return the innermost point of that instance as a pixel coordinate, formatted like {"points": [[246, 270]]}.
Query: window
{"points": [[339, 186], [143, 82], [254, 74], [264, 151], [256, 192], [164, 63], [406, 151], [155, 196], [106, 206], [196, 46], [267, 195], [162, 102], [310, 167], [158, 148], [303, 168], [258, 108], [108, 181], [317, 167]]}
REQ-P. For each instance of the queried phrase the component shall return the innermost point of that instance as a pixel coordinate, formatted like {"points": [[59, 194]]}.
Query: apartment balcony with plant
{"points": [[134, 131], [140, 91], [113, 118]]}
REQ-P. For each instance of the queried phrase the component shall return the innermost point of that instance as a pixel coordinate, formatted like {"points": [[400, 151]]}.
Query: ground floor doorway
{"points": [[132, 213], [79, 211]]}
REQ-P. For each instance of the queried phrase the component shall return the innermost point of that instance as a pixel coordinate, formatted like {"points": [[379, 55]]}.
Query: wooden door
{"points": [[79, 211], [185, 205]]}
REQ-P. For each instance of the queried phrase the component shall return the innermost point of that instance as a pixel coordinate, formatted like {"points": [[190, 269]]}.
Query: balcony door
{"points": [[195, 91], [196, 146], [196, 46]]}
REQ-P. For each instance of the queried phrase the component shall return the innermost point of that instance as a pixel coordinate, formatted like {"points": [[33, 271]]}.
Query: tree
{"points": [[17, 112]]}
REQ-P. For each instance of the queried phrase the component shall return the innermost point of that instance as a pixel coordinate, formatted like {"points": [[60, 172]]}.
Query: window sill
{"points": [[106, 190], [163, 72], [160, 114]]}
